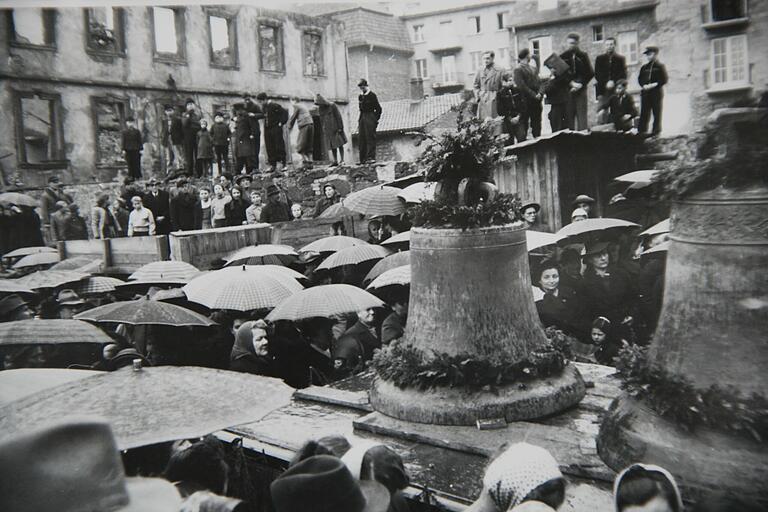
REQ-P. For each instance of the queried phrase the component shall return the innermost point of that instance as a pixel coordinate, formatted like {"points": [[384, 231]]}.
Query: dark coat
{"points": [[172, 134], [299, 363], [182, 210], [369, 103], [276, 211], [612, 297], [247, 133], [324, 203], [204, 144], [236, 211], [160, 205], [618, 107], [580, 67], [510, 102], [190, 126], [131, 140], [609, 67], [652, 72], [527, 81], [564, 312], [48, 203], [392, 328], [332, 124], [220, 134], [274, 115], [353, 350]]}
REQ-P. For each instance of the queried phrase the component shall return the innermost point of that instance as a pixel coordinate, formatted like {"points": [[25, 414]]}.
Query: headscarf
{"points": [[651, 468], [243, 346]]}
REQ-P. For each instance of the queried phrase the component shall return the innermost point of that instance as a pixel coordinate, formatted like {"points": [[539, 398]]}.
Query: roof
{"points": [[402, 115], [332, 8], [364, 27], [528, 16], [418, 10], [586, 135]]}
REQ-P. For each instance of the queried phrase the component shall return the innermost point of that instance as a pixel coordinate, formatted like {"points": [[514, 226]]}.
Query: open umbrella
{"points": [[38, 258], [165, 270], [10, 198], [50, 278], [644, 177], [242, 288], [537, 239], [10, 286], [396, 276], [23, 251], [392, 261], [153, 405], [269, 254], [284, 271], [333, 244], [22, 382], [75, 263], [145, 312], [336, 210], [50, 332], [418, 192], [97, 284], [657, 229], [324, 301], [662, 247], [589, 229], [377, 200], [353, 256], [400, 238]]}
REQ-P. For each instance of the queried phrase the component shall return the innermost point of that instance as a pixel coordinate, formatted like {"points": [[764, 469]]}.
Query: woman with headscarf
{"points": [[251, 352], [332, 128]]}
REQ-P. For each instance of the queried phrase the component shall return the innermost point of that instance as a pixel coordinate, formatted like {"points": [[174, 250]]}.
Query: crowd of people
{"points": [[515, 96]]}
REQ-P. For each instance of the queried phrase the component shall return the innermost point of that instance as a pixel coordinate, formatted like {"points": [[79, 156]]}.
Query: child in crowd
{"points": [[219, 203], [204, 151], [621, 108], [296, 211], [511, 107], [221, 135], [253, 212], [203, 212], [236, 208]]}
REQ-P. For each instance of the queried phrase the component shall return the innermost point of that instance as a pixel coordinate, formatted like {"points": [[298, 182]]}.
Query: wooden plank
{"points": [[200, 247], [323, 394]]}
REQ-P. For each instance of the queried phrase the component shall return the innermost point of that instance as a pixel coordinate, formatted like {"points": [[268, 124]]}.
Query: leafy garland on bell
{"points": [[675, 398], [501, 210], [407, 366]]}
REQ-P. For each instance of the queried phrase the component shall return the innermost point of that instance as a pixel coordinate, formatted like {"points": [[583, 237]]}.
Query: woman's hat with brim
{"points": [[243, 177], [74, 467], [68, 297], [324, 484], [595, 248], [583, 198], [535, 206]]}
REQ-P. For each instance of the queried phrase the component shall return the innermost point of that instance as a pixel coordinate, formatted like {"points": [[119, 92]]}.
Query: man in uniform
{"points": [[652, 78]]}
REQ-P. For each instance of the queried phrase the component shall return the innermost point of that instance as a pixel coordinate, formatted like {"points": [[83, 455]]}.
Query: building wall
{"points": [[388, 72], [143, 82], [489, 38]]}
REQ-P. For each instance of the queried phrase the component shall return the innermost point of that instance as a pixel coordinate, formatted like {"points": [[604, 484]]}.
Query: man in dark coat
{"points": [[610, 67], [652, 78], [132, 147], [527, 81], [355, 347], [393, 326], [51, 195], [221, 135], [182, 206], [511, 104], [581, 73], [621, 108], [370, 113], [158, 201], [172, 139], [190, 125], [275, 117], [247, 136], [275, 210], [606, 289], [557, 90], [330, 197]]}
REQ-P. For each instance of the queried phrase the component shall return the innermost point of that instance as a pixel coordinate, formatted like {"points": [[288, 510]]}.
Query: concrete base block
{"points": [[453, 406]]}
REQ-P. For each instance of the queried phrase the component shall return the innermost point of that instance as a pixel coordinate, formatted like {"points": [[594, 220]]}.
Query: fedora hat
{"points": [[323, 483], [535, 206], [651, 49], [75, 467], [583, 198], [10, 304], [68, 297]]}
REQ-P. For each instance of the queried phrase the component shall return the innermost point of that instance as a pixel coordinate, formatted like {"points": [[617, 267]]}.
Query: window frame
{"points": [[126, 112], [49, 30], [180, 21], [476, 26], [119, 31], [60, 159], [418, 73], [598, 29], [442, 70], [231, 34], [711, 11], [627, 55], [502, 17], [420, 39], [475, 61], [729, 83], [316, 32], [278, 26]]}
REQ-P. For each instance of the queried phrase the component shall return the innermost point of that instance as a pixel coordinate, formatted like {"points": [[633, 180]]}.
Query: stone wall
{"points": [[388, 72]]}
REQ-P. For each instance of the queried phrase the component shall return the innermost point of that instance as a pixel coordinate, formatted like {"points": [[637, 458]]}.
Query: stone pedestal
{"points": [[471, 295]]}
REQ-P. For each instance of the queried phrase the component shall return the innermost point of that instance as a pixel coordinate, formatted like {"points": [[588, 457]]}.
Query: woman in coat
{"points": [[204, 151], [560, 306], [332, 126], [251, 352]]}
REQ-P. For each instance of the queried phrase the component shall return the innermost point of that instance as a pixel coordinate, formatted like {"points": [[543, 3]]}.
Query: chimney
{"points": [[417, 89]]}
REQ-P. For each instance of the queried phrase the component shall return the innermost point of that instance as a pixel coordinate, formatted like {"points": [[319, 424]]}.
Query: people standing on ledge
{"points": [[370, 113], [172, 139], [486, 85], [275, 117], [333, 134], [302, 117], [527, 81], [132, 146], [652, 78], [580, 70], [610, 67], [190, 127]]}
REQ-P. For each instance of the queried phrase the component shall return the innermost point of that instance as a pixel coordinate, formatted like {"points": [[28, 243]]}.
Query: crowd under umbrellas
{"points": [[237, 338]]}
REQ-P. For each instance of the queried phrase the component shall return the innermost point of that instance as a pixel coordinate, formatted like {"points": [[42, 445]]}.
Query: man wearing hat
{"points": [[13, 308], [652, 78], [159, 202], [68, 304], [247, 135], [370, 113], [530, 213], [172, 139], [73, 466], [190, 126], [584, 202], [275, 117], [132, 145], [51, 195], [275, 210], [323, 483]]}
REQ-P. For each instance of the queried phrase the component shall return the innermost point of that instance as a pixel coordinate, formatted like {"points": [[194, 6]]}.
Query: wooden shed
{"points": [[553, 169]]}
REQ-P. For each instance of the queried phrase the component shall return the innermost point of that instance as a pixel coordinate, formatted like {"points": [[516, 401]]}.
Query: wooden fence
{"points": [[118, 255], [201, 246], [298, 233]]}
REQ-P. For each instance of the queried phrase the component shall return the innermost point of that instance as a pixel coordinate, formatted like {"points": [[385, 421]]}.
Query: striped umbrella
{"points": [[418, 192], [244, 288], [336, 210], [400, 238], [22, 382], [377, 200], [396, 276], [324, 301], [11, 286], [38, 258], [393, 261], [23, 251], [145, 312], [333, 244], [160, 270], [50, 278], [15, 198], [50, 332], [353, 256], [77, 263], [97, 284]]}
